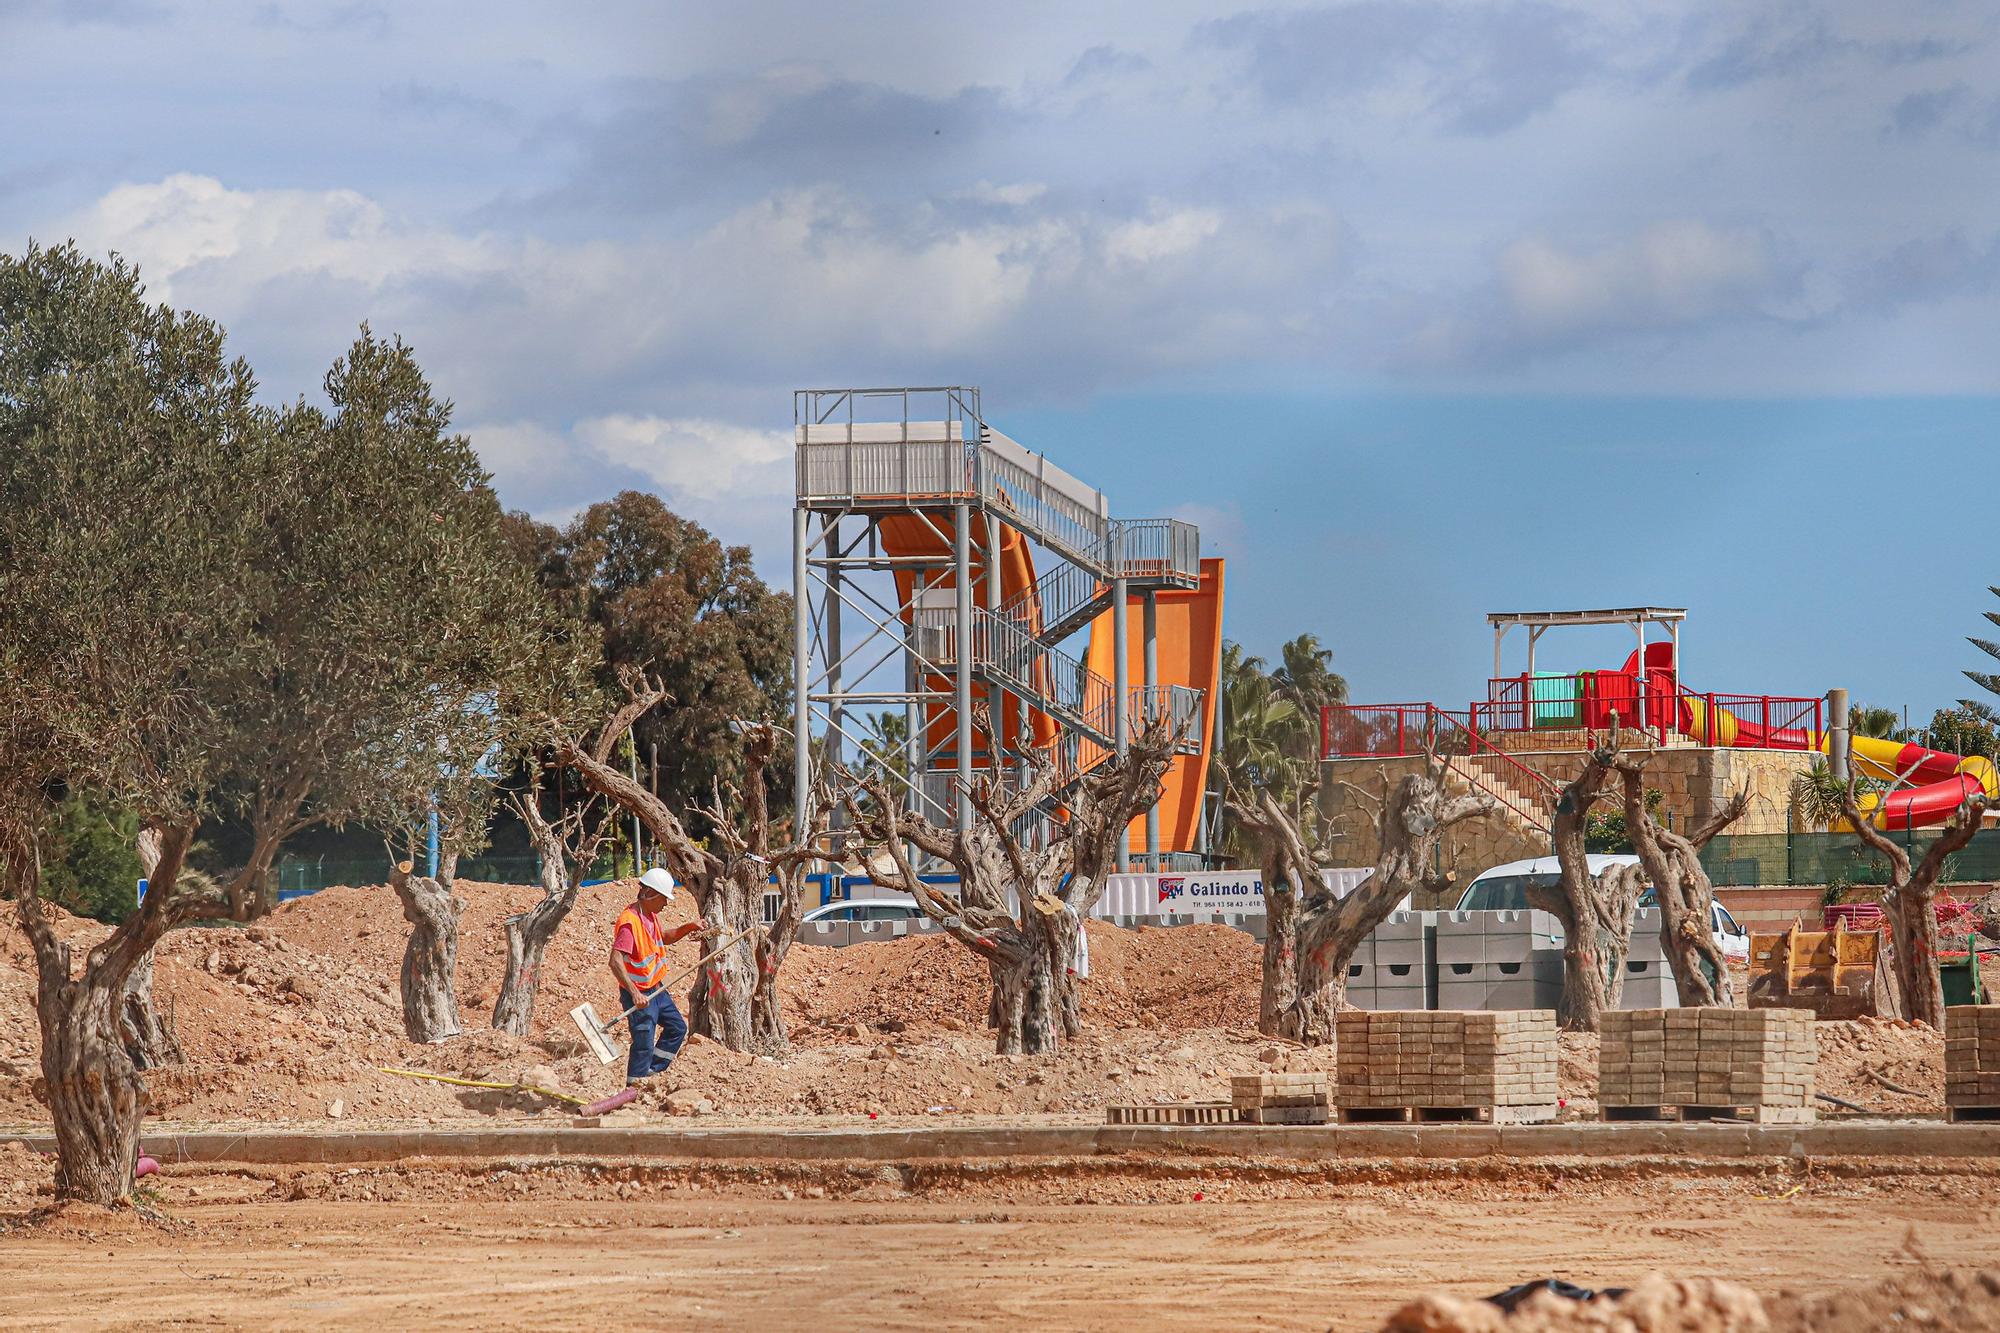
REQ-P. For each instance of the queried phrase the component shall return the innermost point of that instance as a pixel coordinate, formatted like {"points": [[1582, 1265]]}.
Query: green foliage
{"points": [[1604, 829], [662, 593], [1962, 731], [88, 865], [1986, 680], [217, 609], [1876, 721], [884, 747], [1818, 794], [1270, 726]]}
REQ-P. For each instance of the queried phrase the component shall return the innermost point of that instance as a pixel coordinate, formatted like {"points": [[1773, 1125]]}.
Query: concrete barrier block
{"points": [[833, 934], [1461, 937]]}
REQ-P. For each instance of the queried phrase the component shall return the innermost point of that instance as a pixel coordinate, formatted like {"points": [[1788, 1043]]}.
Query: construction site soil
{"points": [[294, 1021], [1160, 1241], [296, 1018]]}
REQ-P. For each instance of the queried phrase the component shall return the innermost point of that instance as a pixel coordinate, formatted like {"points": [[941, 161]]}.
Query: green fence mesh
{"points": [[1836, 858]]}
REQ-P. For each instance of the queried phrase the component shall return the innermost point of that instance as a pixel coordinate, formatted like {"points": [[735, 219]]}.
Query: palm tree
{"points": [[1306, 675], [1987, 679], [1256, 721], [1307, 681], [1881, 723], [1259, 736]]}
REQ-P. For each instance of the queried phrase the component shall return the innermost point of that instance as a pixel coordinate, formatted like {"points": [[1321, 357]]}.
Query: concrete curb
{"points": [[1908, 1139]]}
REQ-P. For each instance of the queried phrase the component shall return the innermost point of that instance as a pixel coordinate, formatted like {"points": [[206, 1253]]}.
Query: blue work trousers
{"points": [[657, 1033]]}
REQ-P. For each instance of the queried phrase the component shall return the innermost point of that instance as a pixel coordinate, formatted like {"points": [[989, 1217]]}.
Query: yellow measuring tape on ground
{"points": [[478, 1083]]}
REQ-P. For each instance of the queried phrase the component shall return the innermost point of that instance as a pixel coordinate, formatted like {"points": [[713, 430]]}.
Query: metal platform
{"points": [[885, 621]]}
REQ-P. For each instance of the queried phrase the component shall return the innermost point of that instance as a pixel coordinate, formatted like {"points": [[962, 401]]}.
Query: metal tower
{"points": [[913, 531]]}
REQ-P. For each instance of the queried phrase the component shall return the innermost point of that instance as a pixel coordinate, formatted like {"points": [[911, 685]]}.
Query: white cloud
{"points": [[693, 458], [1674, 272]]}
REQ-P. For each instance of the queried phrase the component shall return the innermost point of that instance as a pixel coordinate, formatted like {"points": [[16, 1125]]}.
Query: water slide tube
{"points": [[1935, 784]]}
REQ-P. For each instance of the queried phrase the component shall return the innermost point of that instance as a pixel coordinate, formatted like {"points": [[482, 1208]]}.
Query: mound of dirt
{"points": [[298, 1017], [1929, 1298], [1657, 1305]]}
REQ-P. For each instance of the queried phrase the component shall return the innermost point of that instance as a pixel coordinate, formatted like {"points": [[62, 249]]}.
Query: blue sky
{"points": [[1425, 309]]}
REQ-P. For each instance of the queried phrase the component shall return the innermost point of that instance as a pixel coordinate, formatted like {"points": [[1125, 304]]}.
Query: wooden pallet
{"points": [[1971, 1115], [1538, 1113], [1742, 1115], [1172, 1113]]}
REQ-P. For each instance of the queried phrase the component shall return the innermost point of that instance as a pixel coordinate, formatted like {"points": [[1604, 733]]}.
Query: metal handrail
{"points": [[1163, 550]]}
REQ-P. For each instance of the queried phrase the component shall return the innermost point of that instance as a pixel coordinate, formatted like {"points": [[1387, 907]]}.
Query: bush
{"points": [[91, 868]]}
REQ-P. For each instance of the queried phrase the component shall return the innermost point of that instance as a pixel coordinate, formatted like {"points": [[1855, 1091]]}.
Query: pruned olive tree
{"points": [[568, 846], [1019, 906], [1595, 910], [1910, 900], [215, 609], [1672, 865], [735, 999], [1311, 933]]}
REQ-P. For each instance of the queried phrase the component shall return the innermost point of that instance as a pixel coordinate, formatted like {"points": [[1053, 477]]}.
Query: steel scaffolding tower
{"points": [[907, 504]]}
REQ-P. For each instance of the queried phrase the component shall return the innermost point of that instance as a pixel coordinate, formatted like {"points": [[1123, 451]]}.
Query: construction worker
{"points": [[639, 962]]}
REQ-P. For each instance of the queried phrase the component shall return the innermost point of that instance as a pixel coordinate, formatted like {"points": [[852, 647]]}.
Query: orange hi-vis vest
{"points": [[646, 965]]}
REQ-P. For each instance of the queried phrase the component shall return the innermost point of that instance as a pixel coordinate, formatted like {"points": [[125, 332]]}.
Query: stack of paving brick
{"points": [[1281, 1099], [1499, 1066], [1748, 1064], [1972, 1062]]}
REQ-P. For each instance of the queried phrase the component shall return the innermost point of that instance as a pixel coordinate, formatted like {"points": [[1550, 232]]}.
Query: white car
{"points": [[864, 909], [1505, 889]]}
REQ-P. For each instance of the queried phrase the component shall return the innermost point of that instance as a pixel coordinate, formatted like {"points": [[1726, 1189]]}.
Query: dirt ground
{"points": [[1094, 1245], [296, 1020]]}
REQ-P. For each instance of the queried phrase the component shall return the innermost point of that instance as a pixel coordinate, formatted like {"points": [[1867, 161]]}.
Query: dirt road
{"points": [[457, 1250]]}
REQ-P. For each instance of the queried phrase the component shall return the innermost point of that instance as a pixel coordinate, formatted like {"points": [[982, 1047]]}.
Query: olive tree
{"points": [[1020, 906], [215, 609], [735, 1000], [1311, 934], [567, 845]]}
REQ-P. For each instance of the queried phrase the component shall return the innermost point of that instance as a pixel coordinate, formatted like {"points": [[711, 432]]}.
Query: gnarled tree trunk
{"points": [[1910, 903], [528, 937], [734, 999], [720, 1005], [95, 1094], [1682, 889], [149, 1040], [430, 958], [1030, 945], [1595, 933], [1312, 935]]}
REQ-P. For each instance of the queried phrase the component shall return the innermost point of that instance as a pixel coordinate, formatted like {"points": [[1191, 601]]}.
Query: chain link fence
{"points": [[1737, 860]]}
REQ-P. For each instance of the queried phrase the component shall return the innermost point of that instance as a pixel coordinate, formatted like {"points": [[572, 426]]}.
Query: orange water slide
{"points": [[931, 534], [1189, 645]]}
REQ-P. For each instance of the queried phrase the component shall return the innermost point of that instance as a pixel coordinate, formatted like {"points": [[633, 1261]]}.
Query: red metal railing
{"points": [[1746, 721], [1392, 730], [1372, 729]]}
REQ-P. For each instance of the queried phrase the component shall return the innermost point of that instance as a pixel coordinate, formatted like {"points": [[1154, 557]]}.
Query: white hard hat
{"points": [[659, 881]]}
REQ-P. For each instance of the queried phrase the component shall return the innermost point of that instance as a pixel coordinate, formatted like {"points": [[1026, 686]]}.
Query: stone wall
{"points": [[1693, 781], [1465, 850]]}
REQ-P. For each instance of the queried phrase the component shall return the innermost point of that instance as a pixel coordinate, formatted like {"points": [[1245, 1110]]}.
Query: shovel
{"points": [[594, 1030]]}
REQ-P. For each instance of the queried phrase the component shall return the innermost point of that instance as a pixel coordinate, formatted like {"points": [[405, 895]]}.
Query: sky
{"points": [[1423, 310]]}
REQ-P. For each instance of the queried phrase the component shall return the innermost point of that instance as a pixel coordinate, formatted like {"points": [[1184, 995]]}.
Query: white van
{"points": [[1505, 889]]}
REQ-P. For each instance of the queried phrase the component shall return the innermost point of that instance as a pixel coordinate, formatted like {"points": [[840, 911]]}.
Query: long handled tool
{"points": [[594, 1030]]}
